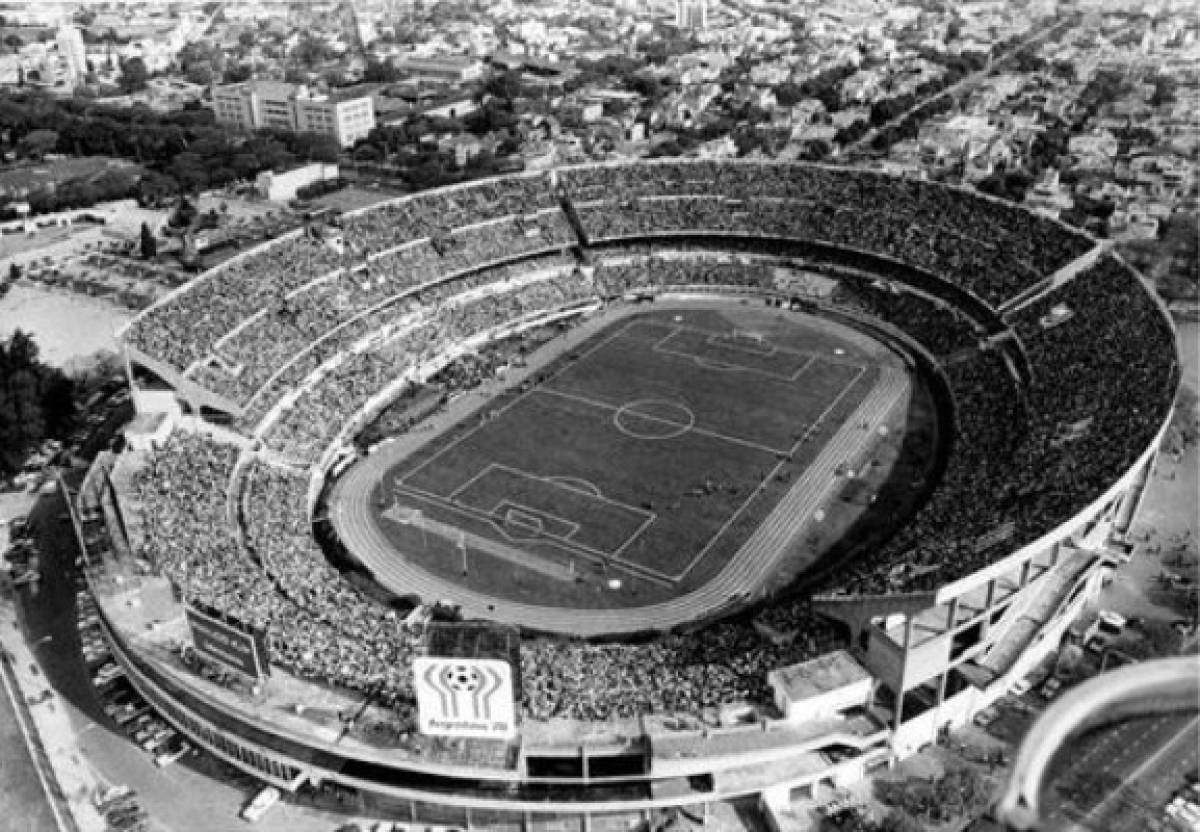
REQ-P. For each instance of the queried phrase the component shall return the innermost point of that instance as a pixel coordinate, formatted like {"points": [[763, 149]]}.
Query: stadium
{"points": [[563, 498]]}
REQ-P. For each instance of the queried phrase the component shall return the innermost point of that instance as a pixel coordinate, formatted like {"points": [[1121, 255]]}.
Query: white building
{"points": [[821, 688], [691, 14], [293, 107], [282, 187], [73, 54]]}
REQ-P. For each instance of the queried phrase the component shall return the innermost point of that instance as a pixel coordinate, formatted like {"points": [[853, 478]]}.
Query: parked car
{"points": [[262, 801], [130, 713], [987, 716], [172, 752], [151, 743]]}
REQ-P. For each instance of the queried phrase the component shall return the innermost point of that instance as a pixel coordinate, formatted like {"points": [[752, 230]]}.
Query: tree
{"points": [[199, 74], [247, 39], [155, 188], [133, 75], [788, 94], [317, 147], [310, 51], [237, 73], [184, 215], [1164, 91], [37, 401], [367, 153], [38, 143], [191, 170], [505, 85], [149, 244], [380, 72]]}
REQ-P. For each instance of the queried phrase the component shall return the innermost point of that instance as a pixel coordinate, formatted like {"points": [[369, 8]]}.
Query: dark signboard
{"points": [[225, 643]]}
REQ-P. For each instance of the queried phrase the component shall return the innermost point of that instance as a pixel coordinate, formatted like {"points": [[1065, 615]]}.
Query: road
{"points": [[1151, 756], [23, 806], [967, 80]]}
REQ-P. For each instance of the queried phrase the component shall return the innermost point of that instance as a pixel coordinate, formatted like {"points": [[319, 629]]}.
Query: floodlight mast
{"points": [[1160, 685]]}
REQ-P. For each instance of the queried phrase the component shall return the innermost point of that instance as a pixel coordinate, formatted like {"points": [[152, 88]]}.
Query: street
{"points": [[1133, 767]]}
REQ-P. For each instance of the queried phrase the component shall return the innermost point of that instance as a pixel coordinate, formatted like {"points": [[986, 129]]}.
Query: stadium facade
{"points": [[1060, 371]]}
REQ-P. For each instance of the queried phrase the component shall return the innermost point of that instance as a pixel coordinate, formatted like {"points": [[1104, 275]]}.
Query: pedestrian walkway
{"points": [[66, 784]]}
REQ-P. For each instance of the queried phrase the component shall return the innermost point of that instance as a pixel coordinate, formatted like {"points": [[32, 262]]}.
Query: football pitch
{"points": [[651, 452]]}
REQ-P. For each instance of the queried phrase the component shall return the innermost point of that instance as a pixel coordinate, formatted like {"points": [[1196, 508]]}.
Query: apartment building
{"points": [[294, 107]]}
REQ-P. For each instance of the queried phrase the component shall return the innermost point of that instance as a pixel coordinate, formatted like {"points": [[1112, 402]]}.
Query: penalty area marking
{"points": [[668, 345]]}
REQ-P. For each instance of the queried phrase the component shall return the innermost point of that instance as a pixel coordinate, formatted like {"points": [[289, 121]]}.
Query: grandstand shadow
{"points": [[921, 458], [354, 572]]}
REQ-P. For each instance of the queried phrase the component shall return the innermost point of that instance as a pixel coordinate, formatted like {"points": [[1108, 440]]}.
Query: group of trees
{"points": [[1011, 184], [958, 793], [133, 75], [825, 86], [893, 821], [184, 150], [37, 402]]}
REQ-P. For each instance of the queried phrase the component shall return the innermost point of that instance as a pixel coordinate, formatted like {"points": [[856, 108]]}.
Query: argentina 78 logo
{"points": [[461, 697]]}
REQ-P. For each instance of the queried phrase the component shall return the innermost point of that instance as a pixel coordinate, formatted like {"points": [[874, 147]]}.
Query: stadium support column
{"points": [[952, 613], [900, 689]]}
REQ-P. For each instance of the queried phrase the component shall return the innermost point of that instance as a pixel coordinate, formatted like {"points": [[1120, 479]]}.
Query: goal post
{"points": [[747, 335]]}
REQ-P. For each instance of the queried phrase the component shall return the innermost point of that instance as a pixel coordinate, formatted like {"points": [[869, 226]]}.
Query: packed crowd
{"points": [[181, 496], [724, 663], [989, 247], [616, 276], [939, 328], [183, 328], [186, 328], [273, 512], [939, 542], [327, 348], [323, 408], [1029, 458], [1103, 386], [380, 228], [273, 337], [255, 311], [318, 627]]}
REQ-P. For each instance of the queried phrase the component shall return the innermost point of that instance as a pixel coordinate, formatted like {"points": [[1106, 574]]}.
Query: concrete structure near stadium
{"points": [[919, 657]]}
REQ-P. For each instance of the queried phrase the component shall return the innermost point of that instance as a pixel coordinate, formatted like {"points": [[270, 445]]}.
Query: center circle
{"points": [[654, 419]]}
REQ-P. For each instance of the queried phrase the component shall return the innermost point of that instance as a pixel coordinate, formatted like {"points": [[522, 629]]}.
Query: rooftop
{"points": [[821, 675]]}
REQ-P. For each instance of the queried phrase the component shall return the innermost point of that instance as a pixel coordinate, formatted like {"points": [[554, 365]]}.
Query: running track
{"points": [[355, 524]]}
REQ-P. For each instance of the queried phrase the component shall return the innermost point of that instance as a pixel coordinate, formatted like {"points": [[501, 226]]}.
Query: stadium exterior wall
{"points": [[289, 761]]}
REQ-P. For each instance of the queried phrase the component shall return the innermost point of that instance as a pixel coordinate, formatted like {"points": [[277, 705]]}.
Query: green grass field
{"points": [[648, 456]]}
